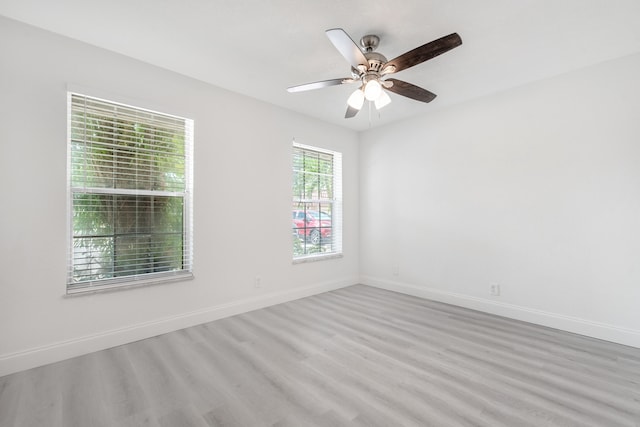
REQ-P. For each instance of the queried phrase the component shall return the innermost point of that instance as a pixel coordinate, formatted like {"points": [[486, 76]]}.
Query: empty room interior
{"points": [[463, 182]]}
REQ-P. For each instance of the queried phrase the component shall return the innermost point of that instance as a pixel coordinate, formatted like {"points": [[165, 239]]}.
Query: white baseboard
{"points": [[576, 325], [55, 352]]}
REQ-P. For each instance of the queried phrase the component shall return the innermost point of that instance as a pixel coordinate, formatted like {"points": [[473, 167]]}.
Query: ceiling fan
{"points": [[371, 69]]}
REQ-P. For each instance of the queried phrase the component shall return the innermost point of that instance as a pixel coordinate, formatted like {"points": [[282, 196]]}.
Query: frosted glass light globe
{"points": [[382, 100], [372, 90], [356, 99]]}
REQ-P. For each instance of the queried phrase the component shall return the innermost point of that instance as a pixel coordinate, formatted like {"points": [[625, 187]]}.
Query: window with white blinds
{"points": [[130, 191], [317, 202]]}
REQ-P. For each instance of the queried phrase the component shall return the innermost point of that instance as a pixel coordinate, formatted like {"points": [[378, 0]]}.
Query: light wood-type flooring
{"points": [[356, 356]]}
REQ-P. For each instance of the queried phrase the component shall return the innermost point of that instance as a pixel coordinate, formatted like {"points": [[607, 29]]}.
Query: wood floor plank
{"points": [[358, 356]]}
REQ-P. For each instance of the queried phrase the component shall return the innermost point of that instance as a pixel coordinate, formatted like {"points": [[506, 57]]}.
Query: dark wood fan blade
{"points": [[320, 85], [425, 52], [347, 47], [410, 91], [351, 112]]}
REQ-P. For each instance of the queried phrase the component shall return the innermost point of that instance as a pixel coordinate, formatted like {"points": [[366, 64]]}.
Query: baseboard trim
{"points": [[603, 331], [55, 352]]}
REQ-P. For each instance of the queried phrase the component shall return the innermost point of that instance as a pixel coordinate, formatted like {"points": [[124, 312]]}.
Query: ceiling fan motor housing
{"points": [[376, 61]]}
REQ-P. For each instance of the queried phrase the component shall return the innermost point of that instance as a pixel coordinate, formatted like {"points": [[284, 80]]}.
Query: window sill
{"points": [[314, 258], [126, 284]]}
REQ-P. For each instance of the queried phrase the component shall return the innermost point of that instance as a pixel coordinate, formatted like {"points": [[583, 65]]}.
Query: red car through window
{"points": [[314, 226]]}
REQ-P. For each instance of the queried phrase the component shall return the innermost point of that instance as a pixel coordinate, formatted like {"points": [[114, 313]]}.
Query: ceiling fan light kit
{"points": [[356, 99], [372, 89], [382, 101], [371, 69]]}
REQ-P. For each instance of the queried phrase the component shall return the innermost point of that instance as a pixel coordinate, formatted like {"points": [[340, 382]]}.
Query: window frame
{"points": [[336, 205], [134, 280]]}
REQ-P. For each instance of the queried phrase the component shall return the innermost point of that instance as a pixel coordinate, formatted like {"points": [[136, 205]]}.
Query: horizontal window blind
{"points": [[130, 178], [317, 202]]}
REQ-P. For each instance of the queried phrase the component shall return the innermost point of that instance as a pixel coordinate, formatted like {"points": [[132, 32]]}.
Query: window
{"points": [[130, 195], [317, 202]]}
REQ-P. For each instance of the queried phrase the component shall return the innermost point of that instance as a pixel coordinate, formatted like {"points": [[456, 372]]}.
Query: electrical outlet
{"points": [[395, 269], [494, 289], [257, 282]]}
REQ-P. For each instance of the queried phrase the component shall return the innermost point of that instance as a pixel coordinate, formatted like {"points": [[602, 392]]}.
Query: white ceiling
{"points": [[260, 47]]}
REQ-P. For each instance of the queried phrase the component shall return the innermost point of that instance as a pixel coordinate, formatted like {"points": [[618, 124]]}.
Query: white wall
{"points": [[536, 189], [242, 202]]}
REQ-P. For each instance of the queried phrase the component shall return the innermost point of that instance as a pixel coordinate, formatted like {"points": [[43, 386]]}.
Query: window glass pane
{"points": [[325, 164], [147, 214], [125, 150], [92, 214], [147, 253], [298, 159], [92, 258], [119, 235], [312, 225], [298, 184]]}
